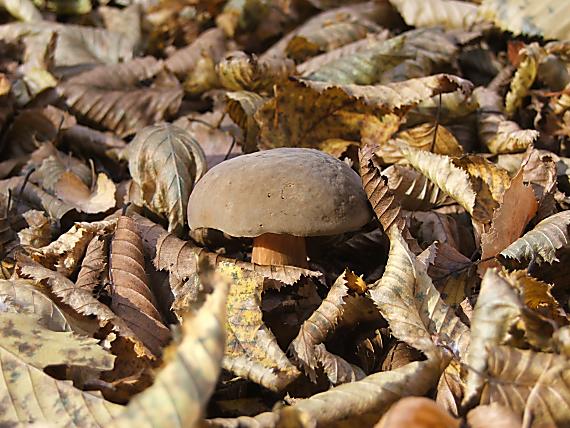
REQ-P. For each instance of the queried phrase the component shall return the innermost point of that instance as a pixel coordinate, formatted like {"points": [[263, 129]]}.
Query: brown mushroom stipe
{"points": [[279, 197], [275, 249]]}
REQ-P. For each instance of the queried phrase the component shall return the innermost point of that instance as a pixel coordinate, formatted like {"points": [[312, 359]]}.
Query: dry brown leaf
{"points": [[495, 131], [523, 78], [336, 368], [494, 180], [65, 253], [241, 72], [112, 96], [532, 384], [417, 412], [211, 43], [165, 161], [414, 190], [509, 221], [71, 190], [435, 13], [385, 204], [183, 387], [242, 106], [304, 113], [93, 265], [39, 230], [131, 297], [412, 306], [82, 301], [430, 137], [540, 244]]}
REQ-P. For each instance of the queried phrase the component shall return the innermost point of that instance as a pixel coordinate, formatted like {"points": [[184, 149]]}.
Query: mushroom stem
{"points": [[276, 249]]}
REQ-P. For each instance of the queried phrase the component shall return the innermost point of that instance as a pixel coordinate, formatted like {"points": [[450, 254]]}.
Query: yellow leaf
{"points": [[523, 78]]}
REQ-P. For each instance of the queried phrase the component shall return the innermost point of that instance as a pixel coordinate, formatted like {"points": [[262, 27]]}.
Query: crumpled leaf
{"points": [[112, 96], [385, 204], [308, 348], [498, 310], [435, 13], [93, 265], [407, 298], [242, 106], [183, 387], [540, 244], [65, 253], [39, 230], [523, 78], [165, 161], [241, 72], [82, 301], [534, 19], [415, 191], [131, 297], [495, 131], [533, 384], [451, 179], [314, 39], [251, 348]]}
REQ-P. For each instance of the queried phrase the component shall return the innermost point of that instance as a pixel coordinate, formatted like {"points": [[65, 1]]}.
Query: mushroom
{"points": [[278, 197]]}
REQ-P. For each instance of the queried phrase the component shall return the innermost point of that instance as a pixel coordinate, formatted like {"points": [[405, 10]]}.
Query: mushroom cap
{"points": [[294, 191]]}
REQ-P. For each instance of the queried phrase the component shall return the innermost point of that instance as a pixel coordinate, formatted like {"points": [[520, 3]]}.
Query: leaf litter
{"points": [[447, 305]]}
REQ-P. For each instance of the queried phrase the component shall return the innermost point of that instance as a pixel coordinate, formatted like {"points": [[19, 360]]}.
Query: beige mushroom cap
{"points": [[302, 192]]}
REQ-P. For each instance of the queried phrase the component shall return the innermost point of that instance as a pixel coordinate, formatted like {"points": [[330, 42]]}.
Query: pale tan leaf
{"points": [[427, 136], [412, 306], [435, 13], [540, 244], [76, 44], [493, 416], [23, 10], [440, 169], [499, 308], [336, 368], [415, 191], [71, 190], [131, 297], [535, 385], [21, 296], [183, 387], [35, 397], [541, 19], [165, 162], [23, 335], [509, 221], [414, 53]]}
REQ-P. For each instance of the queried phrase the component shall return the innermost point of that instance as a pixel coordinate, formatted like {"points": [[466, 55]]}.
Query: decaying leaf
{"points": [[165, 161], [523, 78], [131, 297], [251, 349], [71, 190], [541, 243], [182, 388]]}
